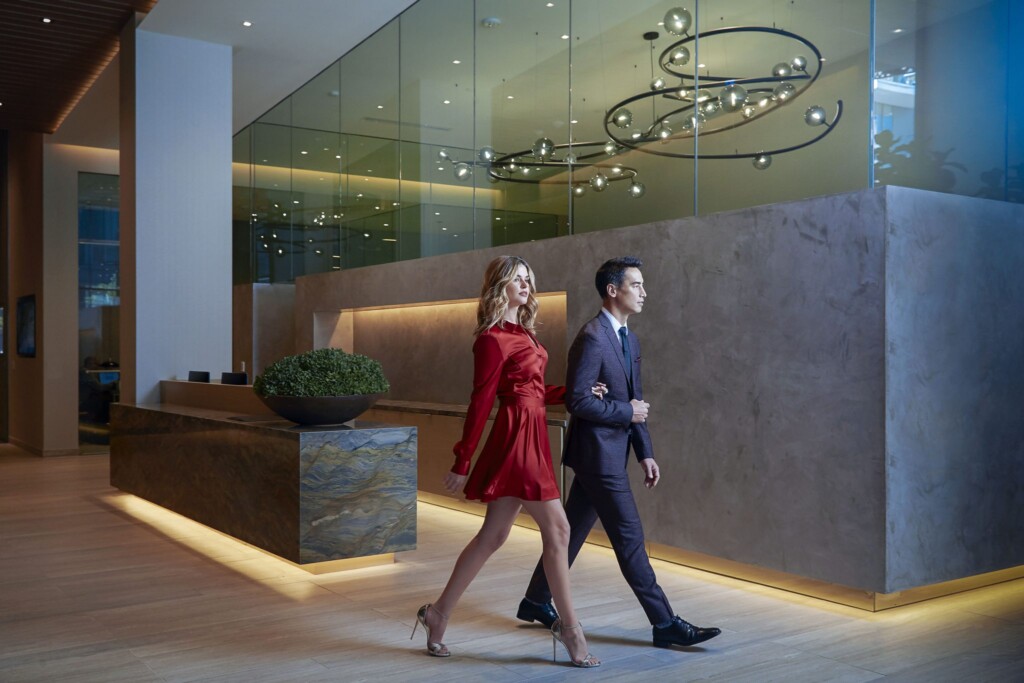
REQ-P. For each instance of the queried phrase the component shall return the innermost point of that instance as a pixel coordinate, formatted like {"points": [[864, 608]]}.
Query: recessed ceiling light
{"points": [[47, 20], [380, 106], [573, 121], [551, 4], [897, 30], [336, 156], [440, 168], [437, 213], [565, 36], [456, 61], [447, 102], [511, 97], [303, 152], [701, 66], [247, 23]]}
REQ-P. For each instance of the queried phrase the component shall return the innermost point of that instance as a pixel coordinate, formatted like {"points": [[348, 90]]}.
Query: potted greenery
{"points": [[324, 386]]}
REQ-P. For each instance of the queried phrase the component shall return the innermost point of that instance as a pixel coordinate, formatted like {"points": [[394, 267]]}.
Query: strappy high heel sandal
{"points": [[433, 649], [587, 662]]}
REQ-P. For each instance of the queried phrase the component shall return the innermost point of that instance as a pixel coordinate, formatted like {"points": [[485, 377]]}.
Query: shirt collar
{"points": [[615, 323]]}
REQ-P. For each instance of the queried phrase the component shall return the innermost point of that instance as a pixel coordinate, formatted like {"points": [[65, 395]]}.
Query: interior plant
{"points": [[322, 372], [325, 386]]}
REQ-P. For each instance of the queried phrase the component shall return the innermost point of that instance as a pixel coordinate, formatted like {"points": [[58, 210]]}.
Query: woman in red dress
{"points": [[514, 469]]}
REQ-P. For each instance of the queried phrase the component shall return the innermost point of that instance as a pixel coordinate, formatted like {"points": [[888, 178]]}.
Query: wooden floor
{"points": [[99, 586]]}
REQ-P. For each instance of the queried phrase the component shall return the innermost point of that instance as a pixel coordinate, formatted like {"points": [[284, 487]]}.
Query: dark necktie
{"points": [[627, 357]]}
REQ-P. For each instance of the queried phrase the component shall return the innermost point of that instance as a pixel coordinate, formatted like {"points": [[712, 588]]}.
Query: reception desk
{"points": [[306, 494]]}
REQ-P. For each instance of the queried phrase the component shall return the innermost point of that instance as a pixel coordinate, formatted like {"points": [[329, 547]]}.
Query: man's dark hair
{"points": [[613, 271]]}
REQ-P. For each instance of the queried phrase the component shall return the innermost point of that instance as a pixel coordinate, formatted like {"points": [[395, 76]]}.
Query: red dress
{"points": [[509, 364]]}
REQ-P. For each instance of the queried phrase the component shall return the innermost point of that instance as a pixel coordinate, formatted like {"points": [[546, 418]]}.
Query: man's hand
{"points": [[454, 482], [651, 472], [639, 410]]}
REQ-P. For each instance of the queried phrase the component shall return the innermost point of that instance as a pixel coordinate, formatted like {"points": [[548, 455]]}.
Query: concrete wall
{"points": [[764, 347], [954, 392]]}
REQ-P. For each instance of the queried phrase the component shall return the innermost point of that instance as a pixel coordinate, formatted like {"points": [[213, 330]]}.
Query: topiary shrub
{"points": [[323, 372]]}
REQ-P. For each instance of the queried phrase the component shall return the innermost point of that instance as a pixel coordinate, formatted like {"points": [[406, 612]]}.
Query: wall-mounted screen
{"points": [[26, 326]]}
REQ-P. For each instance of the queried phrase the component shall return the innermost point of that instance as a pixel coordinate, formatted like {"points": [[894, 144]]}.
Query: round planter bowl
{"points": [[320, 410]]}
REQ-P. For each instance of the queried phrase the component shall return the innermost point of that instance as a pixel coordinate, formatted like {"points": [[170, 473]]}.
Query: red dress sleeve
{"points": [[488, 361], [554, 394]]}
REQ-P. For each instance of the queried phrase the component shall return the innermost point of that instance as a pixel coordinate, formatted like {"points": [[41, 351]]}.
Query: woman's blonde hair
{"points": [[490, 311]]}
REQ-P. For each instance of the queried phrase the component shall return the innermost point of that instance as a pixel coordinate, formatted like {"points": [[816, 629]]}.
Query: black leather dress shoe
{"points": [[683, 633], [531, 611]]}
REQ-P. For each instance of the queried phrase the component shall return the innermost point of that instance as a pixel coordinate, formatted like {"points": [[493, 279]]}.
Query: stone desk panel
{"points": [[307, 494]]}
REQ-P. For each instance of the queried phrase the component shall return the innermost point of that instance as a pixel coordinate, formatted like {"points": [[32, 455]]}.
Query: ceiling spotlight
{"points": [[47, 20], [456, 61], [247, 23]]}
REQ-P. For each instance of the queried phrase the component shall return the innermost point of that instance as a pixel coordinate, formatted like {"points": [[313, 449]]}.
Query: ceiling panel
{"points": [[45, 68]]}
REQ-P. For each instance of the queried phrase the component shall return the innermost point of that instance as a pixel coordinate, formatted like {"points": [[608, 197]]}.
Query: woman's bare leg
{"points": [[554, 533], [497, 523]]}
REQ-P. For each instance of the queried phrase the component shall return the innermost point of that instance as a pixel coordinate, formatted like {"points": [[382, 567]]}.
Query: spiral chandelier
{"points": [[705, 105]]}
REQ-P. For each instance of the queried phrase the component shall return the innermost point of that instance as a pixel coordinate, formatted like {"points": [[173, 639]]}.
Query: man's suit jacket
{"points": [[601, 430]]}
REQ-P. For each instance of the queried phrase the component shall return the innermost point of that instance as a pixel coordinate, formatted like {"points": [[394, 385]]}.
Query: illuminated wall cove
{"points": [[415, 145]]}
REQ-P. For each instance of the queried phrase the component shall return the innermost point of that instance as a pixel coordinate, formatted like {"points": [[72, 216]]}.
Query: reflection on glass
{"points": [[99, 303], [925, 134], [465, 124]]}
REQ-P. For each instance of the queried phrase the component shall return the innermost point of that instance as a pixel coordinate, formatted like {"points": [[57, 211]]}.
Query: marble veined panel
{"points": [[357, 493]]}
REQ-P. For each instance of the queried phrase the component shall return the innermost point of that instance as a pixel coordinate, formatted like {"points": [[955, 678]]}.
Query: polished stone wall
{"points": [[764, 347]]}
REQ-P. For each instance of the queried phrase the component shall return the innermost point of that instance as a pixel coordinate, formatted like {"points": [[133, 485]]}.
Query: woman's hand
{"points": [[599, 389], [454, 483]]}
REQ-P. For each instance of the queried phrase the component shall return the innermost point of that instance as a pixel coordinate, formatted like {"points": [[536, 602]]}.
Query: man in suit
{"points": [[601, 431]]}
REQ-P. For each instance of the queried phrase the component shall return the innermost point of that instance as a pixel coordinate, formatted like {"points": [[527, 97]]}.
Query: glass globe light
{"points": [[799, 63], [512, 165], [782, 70], [486, 154], [579, 190], [663, 132], [703, 95], [622, 118], [493, 179], [610, 148], [443, 155], [679, 57], [678, 21], [463, 171], [814, 116], [784, 91], [733, 97], [657, 83], [543, 147], [762, 161], [710, 108], [749, 111], [570, 159], [636, 190], [599, 182]]}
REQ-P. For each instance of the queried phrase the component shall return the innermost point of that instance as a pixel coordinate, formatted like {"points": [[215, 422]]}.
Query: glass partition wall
{"points": [[464, 124]]}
